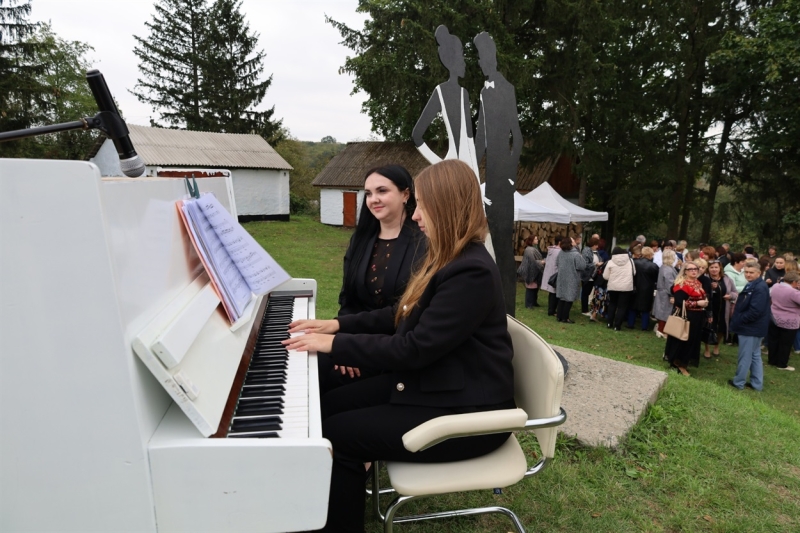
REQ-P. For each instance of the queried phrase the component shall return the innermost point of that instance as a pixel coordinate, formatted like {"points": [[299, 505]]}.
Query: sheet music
{"points": [[234, 291], [261, 272]]}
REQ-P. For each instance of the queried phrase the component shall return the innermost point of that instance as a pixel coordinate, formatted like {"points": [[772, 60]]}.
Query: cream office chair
{"points": [[538, 384]]}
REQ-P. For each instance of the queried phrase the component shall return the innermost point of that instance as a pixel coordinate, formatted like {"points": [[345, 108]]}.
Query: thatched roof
{"points": [[529, 179], [170, 147], [347, 169]]}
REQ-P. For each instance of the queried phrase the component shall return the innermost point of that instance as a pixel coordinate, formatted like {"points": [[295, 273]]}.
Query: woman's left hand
{"points": [[310, 342]]}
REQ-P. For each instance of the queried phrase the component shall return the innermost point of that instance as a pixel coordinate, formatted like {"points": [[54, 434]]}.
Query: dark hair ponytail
{"points": [[368, 226]]}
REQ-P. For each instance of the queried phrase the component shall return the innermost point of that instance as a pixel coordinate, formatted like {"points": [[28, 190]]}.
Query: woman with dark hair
{"points": [[444, 349], [385, 244], [689, 294], [568, 288], [530, 271], [720, 299], [601, 251], [381, 255]]}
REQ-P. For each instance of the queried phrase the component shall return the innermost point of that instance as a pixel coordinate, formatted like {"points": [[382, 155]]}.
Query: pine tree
{"points": [[170, 63], [233, 67], [22, 95]]}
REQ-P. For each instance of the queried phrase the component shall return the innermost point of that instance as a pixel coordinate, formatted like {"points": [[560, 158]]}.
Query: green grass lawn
{"points": [[705, 458]]}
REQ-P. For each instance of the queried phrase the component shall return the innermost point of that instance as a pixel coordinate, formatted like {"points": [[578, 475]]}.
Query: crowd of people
{"points": [[718, 294]]}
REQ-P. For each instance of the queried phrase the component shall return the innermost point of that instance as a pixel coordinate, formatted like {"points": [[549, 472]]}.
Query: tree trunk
{"points": [[716, 174]]}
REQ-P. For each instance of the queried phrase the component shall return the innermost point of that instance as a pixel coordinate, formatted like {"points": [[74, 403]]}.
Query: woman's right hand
{"points": [[314, 326]]}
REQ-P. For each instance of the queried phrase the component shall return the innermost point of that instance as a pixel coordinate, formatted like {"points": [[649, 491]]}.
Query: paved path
{"points": [[605, 398]]}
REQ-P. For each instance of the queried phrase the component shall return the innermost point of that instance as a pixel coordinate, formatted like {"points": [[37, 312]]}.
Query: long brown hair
{"points": [[449, 194]]}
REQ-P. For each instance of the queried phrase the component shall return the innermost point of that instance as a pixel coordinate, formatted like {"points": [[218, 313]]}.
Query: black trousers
{"points": [[363, 427], [552, 302], [618, 303], [532, 297], [586, 290], [780, 342], [562, 311]]}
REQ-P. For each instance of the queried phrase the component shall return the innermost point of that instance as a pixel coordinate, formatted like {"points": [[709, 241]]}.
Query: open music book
{"points": [[239, 268]]}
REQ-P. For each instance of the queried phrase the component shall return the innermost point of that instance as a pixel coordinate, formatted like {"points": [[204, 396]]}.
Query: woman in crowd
{"points": [[785, 323], [444, 349], [646, 280], [599, 304], [601, 251], [775, 274], [550, 268], [530, 271], [687, 291], [703, 278], [735, 270], [662, 307], [568, 288], [679, 249], [720, 299], [619, 272], [592, 259], [379, 260]]}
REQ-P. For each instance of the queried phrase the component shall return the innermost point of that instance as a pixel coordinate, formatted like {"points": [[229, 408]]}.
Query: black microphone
{"points": [[113, 125]]}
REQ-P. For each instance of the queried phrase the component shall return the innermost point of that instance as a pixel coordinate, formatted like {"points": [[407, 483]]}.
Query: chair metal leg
{"points": [[389, 520], [538, 467]]}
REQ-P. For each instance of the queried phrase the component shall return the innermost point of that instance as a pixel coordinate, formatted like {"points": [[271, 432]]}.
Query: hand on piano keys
{"points": [[314, 326], [310, 342]]}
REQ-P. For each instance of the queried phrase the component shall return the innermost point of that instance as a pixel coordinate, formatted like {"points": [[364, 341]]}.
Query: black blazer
{"points": [[452, 350], [410, 246]]}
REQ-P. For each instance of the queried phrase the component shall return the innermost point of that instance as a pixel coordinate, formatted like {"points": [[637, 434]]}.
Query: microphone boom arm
{"points": [[109, 123]]}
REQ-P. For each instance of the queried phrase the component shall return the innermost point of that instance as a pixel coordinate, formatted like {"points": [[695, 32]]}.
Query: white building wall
{"points": [[256, 191], [261, 192], [331, 205]]}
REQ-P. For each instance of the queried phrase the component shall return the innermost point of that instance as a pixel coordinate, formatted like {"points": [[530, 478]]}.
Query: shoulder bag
{"points": [[677, 325]]}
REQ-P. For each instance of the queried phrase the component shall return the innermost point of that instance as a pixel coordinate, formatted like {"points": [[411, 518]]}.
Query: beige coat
{"points": [[619, 272]]}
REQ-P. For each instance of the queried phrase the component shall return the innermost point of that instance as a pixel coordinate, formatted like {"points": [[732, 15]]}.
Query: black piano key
{"points": [[260, 391], [265, 423], [253, 410], [264, 380], [258, 435]]}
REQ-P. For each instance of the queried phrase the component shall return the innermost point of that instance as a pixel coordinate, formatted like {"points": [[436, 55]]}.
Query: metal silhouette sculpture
{"points": [[499, 138], [452, 101]]}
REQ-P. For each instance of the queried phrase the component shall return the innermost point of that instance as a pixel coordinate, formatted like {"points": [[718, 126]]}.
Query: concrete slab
{"points": [[605, 398]]}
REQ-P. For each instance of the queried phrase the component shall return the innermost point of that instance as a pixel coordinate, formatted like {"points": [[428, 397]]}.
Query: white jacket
{"points": [[619, 272]]}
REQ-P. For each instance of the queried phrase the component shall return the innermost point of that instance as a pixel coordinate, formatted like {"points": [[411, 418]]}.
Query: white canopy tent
{"points": [[547, 197], [526, 210]]}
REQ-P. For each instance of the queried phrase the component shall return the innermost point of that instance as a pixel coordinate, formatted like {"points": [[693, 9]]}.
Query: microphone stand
{"points": [[109, 123]]}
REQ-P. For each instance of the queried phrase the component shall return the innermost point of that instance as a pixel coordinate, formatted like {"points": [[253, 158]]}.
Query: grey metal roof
{"points": [[347, 169], [161, 146]]}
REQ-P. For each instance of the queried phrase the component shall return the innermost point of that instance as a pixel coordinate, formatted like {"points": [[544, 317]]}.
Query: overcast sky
{"points": [[303, 55]]}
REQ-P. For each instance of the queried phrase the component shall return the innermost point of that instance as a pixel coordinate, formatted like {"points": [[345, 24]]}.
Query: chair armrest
{"points": [[442, 428], [539, 423]]}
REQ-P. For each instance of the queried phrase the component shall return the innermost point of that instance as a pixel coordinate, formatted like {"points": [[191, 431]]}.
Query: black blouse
{"points": [[376, 271]]}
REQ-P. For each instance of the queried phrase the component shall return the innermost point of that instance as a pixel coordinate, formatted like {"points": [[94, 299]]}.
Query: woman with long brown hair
{"points": [[444, 349]]}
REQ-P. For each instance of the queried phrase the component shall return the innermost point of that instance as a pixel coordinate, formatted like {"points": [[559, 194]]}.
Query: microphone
{"points": [[113, 125]]}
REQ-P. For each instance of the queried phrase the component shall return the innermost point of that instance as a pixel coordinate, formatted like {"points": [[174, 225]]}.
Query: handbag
{"points": [[553, 280], [677, 325], [711, 336]]}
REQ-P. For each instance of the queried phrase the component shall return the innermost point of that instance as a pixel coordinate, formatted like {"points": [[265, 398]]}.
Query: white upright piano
{"points": [[90, 439]]}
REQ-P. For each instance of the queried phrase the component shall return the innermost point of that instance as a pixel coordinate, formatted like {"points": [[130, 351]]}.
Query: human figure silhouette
{"points": [[498, 123], [452, 101]]}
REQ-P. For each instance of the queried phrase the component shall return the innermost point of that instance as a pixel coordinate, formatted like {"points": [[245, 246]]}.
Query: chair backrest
{"points": [[538, 380]]}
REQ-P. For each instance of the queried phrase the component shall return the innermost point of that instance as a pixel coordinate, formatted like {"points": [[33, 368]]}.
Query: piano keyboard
{"points": [[273, 402]]}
